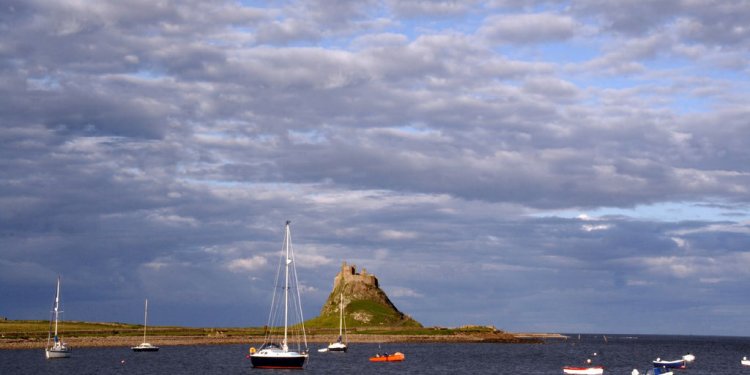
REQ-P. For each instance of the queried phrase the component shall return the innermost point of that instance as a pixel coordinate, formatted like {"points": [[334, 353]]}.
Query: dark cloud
{"points": [[157, 149]]}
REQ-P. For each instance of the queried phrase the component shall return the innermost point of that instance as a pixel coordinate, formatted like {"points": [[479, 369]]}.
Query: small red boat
{"points": [[395, 357], [596, 370]]}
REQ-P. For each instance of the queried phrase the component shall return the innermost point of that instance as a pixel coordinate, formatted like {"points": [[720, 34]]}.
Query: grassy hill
{"points": [[372, 314]]}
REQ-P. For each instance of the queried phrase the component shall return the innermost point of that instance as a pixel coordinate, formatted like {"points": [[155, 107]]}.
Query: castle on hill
{"points": [[364, 303], [348, 274]]}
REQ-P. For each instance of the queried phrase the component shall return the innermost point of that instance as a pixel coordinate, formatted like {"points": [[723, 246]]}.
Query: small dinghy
{"points": [[395, 357], [745, 361], [595, 370], [588, 369]]}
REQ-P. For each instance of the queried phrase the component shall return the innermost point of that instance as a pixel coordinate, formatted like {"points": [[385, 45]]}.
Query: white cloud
{"points": [[594, 227], [398, 292], [392, 234], [305, 260], [253, 263]]}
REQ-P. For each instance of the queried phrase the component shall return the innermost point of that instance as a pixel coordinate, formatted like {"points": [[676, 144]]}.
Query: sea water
{"points": [[617, 353]]}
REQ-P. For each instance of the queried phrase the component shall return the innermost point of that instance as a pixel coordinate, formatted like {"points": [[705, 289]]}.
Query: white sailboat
{"points": [[144, 346], [58, 349], [340, 344], [275, 351]]}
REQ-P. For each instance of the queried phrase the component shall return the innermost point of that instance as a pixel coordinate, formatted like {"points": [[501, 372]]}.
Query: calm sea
{"points": [[619, 355]]}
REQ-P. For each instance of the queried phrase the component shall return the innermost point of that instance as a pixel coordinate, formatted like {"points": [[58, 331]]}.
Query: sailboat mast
{"points": [[145, 320], [341, 314], [57, 303], [286, 282]]}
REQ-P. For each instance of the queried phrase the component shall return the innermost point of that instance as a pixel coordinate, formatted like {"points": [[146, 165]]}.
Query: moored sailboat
{"points": [[340, 344], [144, 346], [275, 351], [58, 349]]}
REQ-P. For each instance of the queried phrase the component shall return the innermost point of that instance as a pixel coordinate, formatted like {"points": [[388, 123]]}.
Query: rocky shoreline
{"points": [[128, 341]]}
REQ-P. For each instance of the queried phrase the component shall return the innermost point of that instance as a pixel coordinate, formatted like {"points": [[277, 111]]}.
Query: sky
{"points": [[540, 166]]}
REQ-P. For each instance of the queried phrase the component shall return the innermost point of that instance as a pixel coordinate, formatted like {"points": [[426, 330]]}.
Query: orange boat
{"points": [[395, 357]]}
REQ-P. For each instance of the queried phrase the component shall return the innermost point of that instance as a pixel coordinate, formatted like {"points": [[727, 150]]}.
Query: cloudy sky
{"points": [[546, 166]]}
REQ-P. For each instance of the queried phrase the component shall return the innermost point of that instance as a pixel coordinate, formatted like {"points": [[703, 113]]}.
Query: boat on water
{"points": [[340, 344], [688, 358], [144, 346], [593, 370], [587, 369], [395, 357], [745, 361], [677, 363], [654, 371], [275, 352], [58, 349]]}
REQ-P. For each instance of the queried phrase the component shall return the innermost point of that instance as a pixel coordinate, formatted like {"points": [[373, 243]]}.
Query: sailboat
{"points": [[275, 351], [340, 344], [58, 348], [144, 346]]}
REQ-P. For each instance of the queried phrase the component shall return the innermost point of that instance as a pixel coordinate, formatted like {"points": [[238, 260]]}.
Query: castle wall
{"points": [[349, 274]]}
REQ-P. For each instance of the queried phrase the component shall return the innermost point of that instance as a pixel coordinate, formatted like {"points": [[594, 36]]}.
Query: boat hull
{"points": [[145, 349], [337, 347], [395, 357], [57, 353], [745, 362], [282, 362], [584, 370], [670, 364]]}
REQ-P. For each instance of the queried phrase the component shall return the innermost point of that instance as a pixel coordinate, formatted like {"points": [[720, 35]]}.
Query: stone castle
{"points": [[348, 274]]}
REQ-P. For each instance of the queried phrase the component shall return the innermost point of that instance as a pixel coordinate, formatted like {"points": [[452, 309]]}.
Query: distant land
{"points": [[370, 316], [32, 334]]}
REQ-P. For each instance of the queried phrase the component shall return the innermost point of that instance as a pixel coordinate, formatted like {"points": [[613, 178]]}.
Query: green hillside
{"points": [[372, 314]]}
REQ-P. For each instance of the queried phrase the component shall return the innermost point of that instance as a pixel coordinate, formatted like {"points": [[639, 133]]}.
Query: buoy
{"points": [[252, 350], [122, 362]]}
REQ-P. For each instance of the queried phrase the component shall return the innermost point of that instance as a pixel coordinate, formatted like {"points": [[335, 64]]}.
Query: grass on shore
{"points": [[37, 329]]}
